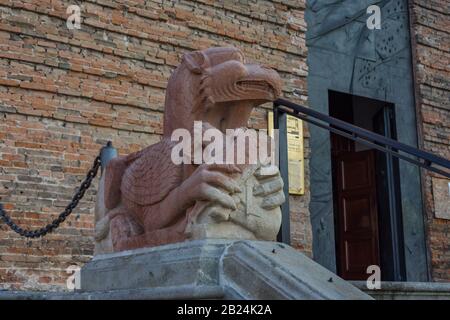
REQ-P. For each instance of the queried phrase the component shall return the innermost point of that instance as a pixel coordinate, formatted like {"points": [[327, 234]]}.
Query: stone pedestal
{"points": [[217, 269]]}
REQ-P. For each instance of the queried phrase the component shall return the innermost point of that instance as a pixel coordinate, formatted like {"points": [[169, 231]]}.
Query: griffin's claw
{"points": [[266, 172], [229, 204], [273, 201], [258, 190], [237, 169], [268, 186], [219, 216]]}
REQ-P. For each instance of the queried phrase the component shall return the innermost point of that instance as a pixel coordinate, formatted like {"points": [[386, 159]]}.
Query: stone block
{"points": [[213, 269]]}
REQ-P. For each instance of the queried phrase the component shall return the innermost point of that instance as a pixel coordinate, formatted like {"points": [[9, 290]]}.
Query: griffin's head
{"points": [[217, 86]]}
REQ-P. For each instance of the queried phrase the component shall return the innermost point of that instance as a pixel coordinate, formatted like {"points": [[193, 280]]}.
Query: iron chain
{"points": [[63, 215]]}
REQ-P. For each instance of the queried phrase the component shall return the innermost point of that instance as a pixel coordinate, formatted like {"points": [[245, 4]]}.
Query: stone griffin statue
{"points": [[145, 199]]}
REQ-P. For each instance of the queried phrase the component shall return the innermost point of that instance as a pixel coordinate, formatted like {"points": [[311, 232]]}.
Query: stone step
{"points": [[236, 269], [408, 290]]}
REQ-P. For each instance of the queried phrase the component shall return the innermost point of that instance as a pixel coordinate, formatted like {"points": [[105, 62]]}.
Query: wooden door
{"points": [[357, 222]]}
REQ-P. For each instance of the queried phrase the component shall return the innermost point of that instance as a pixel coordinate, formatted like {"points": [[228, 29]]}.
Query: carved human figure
{"points": [[145, 199]]}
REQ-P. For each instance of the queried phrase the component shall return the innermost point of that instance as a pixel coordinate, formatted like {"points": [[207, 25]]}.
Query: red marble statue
{"points": [[147, 200]]}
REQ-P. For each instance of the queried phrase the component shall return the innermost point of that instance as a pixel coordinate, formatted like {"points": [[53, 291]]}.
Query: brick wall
{"points": [[64, 93], [431, 25]]}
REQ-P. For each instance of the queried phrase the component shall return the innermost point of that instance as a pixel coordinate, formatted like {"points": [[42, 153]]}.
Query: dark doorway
{"points": [[367, 212]]}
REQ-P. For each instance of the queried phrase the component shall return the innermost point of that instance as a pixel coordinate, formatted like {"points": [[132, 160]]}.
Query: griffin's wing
{"points": [[152, 176], [113, 178]]}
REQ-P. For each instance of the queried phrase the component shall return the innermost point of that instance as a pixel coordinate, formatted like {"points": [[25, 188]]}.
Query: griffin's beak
{"points": [[261, 83]]}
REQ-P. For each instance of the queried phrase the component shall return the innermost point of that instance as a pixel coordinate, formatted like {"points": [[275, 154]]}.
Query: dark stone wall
{"points": [[345, 55]]}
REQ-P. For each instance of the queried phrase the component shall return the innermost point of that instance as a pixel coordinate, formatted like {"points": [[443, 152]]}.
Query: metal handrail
{"points": [[424, 159], [282, 108]]}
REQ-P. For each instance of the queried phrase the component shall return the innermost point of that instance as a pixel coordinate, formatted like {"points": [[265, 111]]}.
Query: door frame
{"points": [[392, 241], [389, 215]]}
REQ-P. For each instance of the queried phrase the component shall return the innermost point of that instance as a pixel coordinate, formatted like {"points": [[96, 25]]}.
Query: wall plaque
{"points": [[441, 197], [296, 167]]}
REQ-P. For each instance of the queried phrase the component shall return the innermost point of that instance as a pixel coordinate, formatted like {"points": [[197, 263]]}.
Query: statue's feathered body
{"points": [[145, 199]]}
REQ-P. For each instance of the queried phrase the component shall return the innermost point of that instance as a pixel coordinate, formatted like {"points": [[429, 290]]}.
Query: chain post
{"points": [[107, 153]]}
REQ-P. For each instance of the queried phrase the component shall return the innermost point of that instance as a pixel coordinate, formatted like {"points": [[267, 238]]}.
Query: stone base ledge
{"points": [[168, 293], [408, 290], [204, 269], [227, 269]]}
